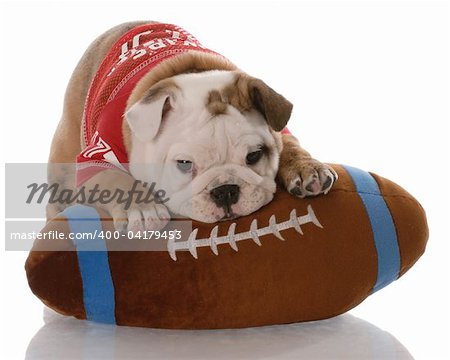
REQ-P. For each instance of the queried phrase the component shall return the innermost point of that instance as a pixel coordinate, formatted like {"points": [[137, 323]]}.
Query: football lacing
{"points": [[192, 243]]}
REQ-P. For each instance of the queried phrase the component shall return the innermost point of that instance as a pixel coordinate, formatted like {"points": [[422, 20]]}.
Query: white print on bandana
{"points": [[138, 50], [101, 147]]}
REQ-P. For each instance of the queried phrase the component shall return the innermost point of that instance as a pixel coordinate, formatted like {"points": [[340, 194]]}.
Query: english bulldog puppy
{"points": [[148, 102]]}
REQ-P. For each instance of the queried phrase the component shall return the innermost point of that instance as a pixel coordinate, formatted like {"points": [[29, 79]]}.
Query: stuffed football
{"points": [[293, 260]]}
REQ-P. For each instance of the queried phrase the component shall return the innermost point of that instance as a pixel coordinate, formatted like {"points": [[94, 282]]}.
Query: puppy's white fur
{"points": [[157, 137], [217, 145]]}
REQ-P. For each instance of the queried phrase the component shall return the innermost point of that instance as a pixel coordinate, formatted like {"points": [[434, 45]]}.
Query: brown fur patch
{"points": [[238, 94], [246, 93], [216, 104]]}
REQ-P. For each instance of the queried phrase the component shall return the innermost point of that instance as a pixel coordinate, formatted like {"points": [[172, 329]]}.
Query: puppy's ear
{"points": [[275, 108], [249, 92], [147, 115]]}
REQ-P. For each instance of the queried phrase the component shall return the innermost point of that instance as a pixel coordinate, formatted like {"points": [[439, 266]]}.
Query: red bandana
{"points": [[131, 57]]}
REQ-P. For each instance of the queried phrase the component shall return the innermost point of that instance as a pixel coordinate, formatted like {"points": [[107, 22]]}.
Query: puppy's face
{"points": [[209, 140]]}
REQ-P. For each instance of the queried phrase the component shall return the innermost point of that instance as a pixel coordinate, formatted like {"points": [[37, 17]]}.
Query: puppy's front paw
{"points": [[307, 177], [149, 217]]}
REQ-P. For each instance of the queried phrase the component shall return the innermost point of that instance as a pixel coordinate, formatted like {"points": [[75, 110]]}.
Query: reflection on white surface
{"points": [[343, 337]]}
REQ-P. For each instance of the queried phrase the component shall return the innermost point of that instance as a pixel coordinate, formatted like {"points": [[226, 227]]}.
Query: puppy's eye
{"points": [[253, 157], [184, 166]]}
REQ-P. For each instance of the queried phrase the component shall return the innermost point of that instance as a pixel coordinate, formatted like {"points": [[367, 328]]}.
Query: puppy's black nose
{"points": [[225, 195]]}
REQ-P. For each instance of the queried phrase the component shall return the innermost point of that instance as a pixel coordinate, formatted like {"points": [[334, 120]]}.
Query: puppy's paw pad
{"points": [[329, 177], [312, 184], [327, 184], [295, 188], [313, 178]]}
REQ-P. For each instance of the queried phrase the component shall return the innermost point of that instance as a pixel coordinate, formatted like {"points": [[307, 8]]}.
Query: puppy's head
{"points": [[210, 141]]}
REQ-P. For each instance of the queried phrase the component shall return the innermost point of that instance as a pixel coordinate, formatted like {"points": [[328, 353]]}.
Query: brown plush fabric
{"points": [[320, 274], [56, 273]]}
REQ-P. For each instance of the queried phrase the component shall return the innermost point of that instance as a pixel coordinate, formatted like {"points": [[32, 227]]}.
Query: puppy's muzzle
{"points": [[225, 195], [204, 183]]}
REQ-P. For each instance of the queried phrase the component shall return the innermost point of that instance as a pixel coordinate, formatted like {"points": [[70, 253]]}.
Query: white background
{"points": [[370, 85]]}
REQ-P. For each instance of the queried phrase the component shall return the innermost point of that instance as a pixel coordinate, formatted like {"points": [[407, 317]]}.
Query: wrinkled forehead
{"points": [[212, 103], [237, 129], [215, 134], [197, 87]]}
